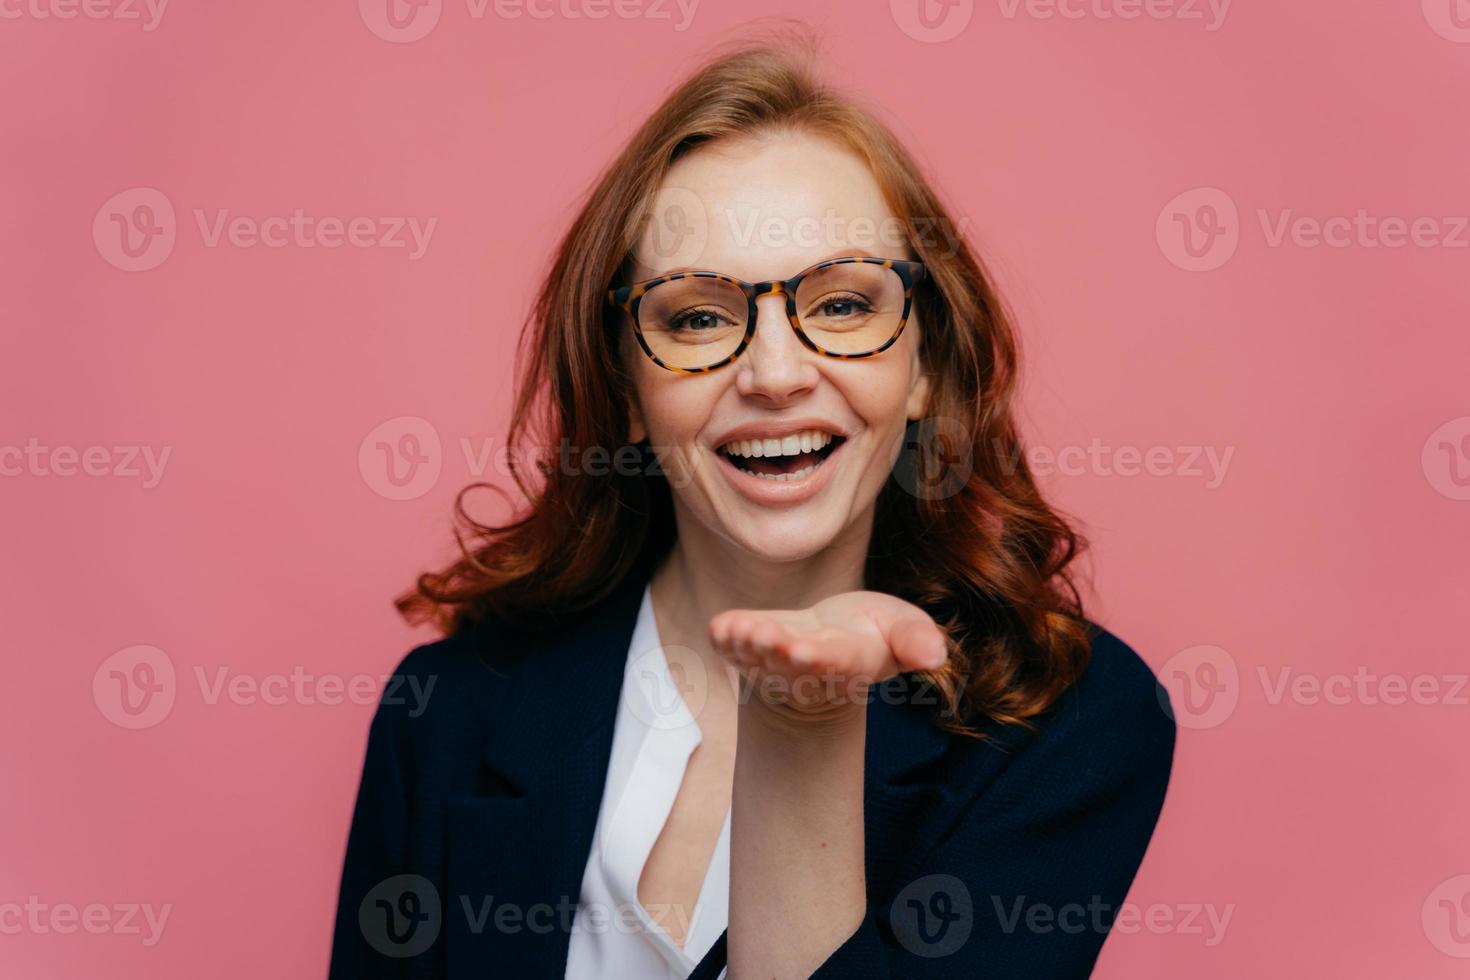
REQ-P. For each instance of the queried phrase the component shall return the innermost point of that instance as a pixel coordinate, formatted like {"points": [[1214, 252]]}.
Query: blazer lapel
{"points": [[517, 850]]}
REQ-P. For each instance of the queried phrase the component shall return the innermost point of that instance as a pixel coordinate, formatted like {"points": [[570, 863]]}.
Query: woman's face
{"points": [[772, 207]]}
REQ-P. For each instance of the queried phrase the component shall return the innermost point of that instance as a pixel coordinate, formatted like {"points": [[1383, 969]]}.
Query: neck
{"points": [[705, 574]]}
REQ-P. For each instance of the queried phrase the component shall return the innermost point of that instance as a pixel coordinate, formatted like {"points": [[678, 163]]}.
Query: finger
{"points": [[771, 639], [917, 643], [728, 634], [846, 652]]}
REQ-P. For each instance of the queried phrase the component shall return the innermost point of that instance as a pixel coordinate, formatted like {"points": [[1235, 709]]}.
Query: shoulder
{"points": [[1119, 682], [447, 683], [1115, 722]]}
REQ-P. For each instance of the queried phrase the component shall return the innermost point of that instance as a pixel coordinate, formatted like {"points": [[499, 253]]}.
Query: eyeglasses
{"points": [[693, 322]]}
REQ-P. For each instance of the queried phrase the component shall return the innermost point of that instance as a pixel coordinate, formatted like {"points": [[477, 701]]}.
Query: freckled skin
{"points": [[782, 179], [775, 592]]}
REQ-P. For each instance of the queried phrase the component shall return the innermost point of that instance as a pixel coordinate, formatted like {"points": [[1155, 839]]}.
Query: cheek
{"points": [[674, 406], [880, 394]]}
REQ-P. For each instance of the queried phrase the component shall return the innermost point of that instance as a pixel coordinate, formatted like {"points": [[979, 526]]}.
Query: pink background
{"points": [[1335, 377]]}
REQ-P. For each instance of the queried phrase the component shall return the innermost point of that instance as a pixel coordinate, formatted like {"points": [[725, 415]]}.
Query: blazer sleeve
{"points": [[1029, 880], [376, 848]]}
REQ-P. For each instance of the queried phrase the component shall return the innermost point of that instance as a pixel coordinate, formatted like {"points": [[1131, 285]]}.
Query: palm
{"points": [[812, 661]]}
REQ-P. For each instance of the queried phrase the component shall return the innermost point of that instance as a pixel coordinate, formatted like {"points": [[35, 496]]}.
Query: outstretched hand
{"points": [[815, 664]]}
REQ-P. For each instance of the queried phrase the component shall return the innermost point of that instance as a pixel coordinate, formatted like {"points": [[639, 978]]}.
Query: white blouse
{"points": [[653, 737]]}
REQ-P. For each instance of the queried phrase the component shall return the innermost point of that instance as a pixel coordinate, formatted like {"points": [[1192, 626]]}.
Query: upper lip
{"points": [[777, 430]]}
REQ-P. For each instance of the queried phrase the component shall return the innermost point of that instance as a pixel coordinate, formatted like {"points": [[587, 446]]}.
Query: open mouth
{"points": [[793, 457]]}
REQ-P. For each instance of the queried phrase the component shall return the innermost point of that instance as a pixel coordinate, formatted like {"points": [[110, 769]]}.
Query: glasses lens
{"points": [[851, 307], [693, 323]]}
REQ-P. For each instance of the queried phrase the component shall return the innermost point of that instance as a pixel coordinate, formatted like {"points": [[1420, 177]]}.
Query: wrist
{"points": [[782, 722]]}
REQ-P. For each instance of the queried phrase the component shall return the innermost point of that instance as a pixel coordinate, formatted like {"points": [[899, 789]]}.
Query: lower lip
{"points": [[775, 493]]}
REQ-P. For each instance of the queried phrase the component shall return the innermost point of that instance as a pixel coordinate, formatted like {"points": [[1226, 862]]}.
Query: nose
{"points": [[775, 367]]}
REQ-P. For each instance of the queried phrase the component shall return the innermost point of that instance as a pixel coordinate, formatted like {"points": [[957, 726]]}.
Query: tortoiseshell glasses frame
{"points": [[627, 298]]}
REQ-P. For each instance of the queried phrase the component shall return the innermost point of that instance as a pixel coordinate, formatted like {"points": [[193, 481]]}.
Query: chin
{"points": [[785, 536]]}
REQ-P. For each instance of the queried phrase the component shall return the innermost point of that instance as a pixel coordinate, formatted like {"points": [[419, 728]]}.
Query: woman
{"points": [[781, 669]]}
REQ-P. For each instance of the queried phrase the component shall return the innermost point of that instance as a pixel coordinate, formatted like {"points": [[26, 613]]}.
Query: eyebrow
{"points": [[842, 254]]}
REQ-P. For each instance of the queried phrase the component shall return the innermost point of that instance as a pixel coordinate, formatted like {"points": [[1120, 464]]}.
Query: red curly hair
{"points": [[984, 555]]}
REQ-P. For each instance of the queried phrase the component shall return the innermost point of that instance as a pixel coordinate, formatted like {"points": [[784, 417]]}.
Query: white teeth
{"points": [[786, 476], [792, 445]]}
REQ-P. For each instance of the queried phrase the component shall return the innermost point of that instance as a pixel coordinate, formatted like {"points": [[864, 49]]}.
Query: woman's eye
{"points": [[695, 321], [842, 306]]}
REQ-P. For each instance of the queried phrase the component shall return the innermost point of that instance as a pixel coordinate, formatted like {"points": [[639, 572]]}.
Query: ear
{"points": [[917, 406]]}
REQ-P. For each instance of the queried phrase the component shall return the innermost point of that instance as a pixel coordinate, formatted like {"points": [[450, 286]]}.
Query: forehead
{"points": [[765, 208]]}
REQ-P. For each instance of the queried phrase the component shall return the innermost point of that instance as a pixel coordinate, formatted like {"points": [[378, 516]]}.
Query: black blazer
{"points": [[477, 806]]}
